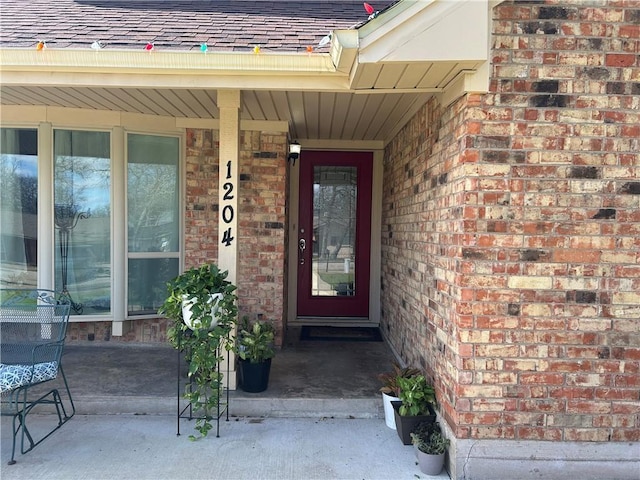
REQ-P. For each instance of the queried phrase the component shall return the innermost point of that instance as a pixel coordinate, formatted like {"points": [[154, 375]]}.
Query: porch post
{"points": [[228, 191], [229, 104]]}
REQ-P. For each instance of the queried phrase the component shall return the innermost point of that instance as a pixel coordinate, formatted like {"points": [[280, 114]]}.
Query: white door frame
{"points": [[376, 229]]}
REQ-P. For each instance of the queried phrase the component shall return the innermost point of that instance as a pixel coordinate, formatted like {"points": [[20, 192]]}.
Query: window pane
{"points": [[152, 198], [18, 207], [148, 283], [153, 222], [82, 216]]}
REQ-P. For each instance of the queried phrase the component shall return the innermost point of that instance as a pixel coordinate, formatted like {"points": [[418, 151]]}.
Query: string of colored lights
{"points": [[204, 48]]}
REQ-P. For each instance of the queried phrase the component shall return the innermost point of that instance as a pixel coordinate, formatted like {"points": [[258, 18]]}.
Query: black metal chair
{"points": [[33, 326]]}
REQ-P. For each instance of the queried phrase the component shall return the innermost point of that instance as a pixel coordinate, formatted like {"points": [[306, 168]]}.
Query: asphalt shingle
{"points": [[238, 25]]}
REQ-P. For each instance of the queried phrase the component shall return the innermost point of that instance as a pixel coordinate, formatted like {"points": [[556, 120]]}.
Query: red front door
{"points": [[334, 234]]}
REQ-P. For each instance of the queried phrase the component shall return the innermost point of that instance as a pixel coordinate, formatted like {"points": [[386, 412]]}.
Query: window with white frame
{"points": [[84, 181], [18, 207], [153, 222], [82, 219]]}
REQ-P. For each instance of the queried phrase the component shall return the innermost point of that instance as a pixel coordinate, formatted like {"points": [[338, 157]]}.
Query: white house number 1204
{"points": [[227, 210]]}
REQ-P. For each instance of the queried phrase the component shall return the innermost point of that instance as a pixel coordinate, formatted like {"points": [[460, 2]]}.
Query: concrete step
{"points": [[306, 407], [240, 405]]}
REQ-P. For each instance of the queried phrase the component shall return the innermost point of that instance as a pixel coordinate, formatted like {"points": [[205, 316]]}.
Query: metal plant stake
{"points": [[66, 218]]}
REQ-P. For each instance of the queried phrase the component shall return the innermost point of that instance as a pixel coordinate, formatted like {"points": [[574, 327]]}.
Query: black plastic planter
{"points": [[254, 377], [406, 424]]}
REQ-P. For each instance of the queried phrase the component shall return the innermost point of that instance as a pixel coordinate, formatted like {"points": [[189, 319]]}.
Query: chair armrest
{"points": [[49, 345]]}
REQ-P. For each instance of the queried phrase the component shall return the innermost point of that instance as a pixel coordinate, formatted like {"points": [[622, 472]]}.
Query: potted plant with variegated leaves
{"points": [[391, 389], [255, 349], [416, 404], [202, 304]]}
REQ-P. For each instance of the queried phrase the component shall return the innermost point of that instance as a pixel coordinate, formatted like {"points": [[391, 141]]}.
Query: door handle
{"points": [[302, 245]]}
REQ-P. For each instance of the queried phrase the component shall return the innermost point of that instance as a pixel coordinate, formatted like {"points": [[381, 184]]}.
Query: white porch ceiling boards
{"points": [[431, 77], [311, 115]]}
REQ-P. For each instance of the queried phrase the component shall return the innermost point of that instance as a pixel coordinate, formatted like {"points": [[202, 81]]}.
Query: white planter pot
{"points": [[389, 416], [187, 314]]}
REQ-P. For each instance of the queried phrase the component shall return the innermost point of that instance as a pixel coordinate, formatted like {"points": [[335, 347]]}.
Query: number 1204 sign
{"points": [[228, 211]]}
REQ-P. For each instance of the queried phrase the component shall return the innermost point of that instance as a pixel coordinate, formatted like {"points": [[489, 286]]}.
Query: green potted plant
{"points": [[204, 337], [390, 390], [431, 447], [196, 296], [416, 404], [255, 349]]}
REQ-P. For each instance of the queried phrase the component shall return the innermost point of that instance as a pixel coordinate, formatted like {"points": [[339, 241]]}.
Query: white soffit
{"points": [[427, 30]]}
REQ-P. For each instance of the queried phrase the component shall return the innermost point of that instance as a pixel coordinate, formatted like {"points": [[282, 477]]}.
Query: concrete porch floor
{"points": [[308, 379], [321, 418]]}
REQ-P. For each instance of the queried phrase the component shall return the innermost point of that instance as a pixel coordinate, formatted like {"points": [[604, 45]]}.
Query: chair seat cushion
{"points": [[14, 376]]}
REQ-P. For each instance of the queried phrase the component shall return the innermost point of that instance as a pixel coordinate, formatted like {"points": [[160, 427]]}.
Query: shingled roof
{"points": [[224, 25]]}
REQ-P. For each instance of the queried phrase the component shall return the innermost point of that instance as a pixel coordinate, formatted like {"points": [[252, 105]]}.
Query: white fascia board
{"points": [[68, 67], [284, 81], [29, 115], [164, 61], [428, 30], [344, 49], [333, 144], [22, 114], [245, 125], [466, 82]]}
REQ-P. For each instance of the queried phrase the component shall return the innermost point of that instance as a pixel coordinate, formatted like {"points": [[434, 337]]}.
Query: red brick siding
{"points": [[515, 282], [201, 197], [262, 227], [423, 230], [261, 220]]}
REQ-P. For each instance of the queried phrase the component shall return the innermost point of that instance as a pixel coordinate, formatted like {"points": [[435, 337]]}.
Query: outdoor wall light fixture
{"points": [[294, 152]]}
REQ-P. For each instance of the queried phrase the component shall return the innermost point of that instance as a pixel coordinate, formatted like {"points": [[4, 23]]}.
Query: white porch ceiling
{"points": [[385, 95], [311, 115]]}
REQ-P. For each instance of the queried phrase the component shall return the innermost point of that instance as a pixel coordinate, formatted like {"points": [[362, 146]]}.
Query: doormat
{"points": [[341, 334]]}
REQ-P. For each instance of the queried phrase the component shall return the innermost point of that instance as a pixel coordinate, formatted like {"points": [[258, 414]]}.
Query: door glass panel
{"points": [[334, 231], [18, 207]]}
